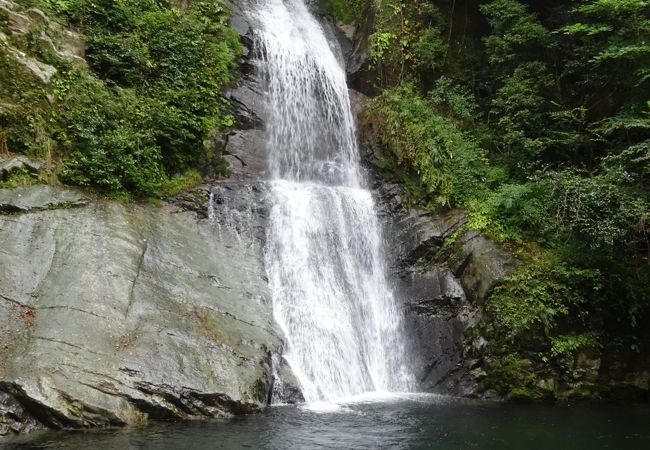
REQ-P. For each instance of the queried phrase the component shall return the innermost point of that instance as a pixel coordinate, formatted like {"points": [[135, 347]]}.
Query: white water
{"points": [[324, 252]]}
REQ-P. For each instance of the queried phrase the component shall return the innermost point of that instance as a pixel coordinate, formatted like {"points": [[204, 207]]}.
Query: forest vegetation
{"points": [[138, 118]]}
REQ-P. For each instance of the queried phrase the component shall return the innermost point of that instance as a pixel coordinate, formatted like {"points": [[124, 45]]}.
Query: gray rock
{"points": [[434, 282], [16, 24], [432, 287], [412, 233], [14, 163], [358, 102], [479, 263], [40, 197], [44, 72], [248, 100], [112, 313], [245, 153], [245, 146]]}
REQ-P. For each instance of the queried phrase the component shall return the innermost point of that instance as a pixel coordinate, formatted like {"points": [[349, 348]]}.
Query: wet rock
{"points": [[286, 387], [412, 233], [432, 287], [111, 314], [249, 103], [358, 102], [243, 207], [245, 153], [244, 148], [435, 283]]}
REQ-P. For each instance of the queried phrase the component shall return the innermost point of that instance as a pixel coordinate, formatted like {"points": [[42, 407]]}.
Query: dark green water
{"points": [[426, 424]]}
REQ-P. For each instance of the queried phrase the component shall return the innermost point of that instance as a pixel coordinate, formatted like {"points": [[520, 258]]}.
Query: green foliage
{"points": [[539, 296], [111, 135], [407, 39], [521, 113], [512, 374], [180, 58], [515, 32], [568, 345], [448, 161], [21, 177], [347, 11], [535, 118], [429, 51], [512, 211], [146, 110], [598, 210]]}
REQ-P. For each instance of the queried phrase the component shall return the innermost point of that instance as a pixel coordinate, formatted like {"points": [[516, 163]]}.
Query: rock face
{"points": [[441, 287], [244, 149], [113, 313]]}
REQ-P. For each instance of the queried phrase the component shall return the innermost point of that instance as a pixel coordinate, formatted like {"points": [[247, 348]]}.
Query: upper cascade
{"points": [[311, 130]]}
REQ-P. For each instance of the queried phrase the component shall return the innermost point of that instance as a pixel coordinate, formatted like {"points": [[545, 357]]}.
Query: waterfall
{"points": [[324, 245]]}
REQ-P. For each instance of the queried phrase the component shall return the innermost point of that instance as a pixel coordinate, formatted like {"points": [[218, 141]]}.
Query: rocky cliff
{"points": [[113, 313]]}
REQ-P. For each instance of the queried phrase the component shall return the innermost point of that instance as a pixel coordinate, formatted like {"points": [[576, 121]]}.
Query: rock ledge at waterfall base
{"points": [[111, 313]]}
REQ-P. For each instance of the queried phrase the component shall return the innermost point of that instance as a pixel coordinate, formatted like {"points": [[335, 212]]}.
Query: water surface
{"points": [[424, 423]]}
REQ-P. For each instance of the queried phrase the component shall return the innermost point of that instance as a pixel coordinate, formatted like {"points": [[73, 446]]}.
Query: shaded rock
{"points": [[111, 313], [249, 103], [428, 289], [412, 234], [479, 263], [245, 153], [18, 162], [244, 148], [40, 197], [358, 102], [433, 283], [359, 75]]}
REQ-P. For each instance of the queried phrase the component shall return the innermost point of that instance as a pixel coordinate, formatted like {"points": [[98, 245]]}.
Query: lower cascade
{"points": [[324, 247]]}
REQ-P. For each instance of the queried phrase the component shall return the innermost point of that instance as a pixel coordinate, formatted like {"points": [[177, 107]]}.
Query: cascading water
{"points": [[324, 256]]}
